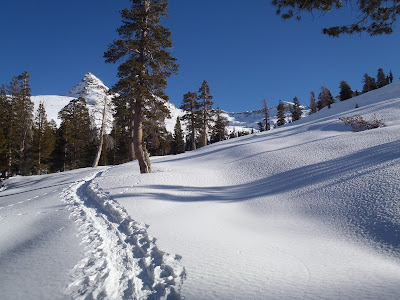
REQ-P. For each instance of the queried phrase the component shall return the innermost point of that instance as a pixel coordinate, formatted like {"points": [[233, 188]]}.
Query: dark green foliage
{"points": [[43, 142], [313, 105], [296, 110], [369, 83], [77, 135], [390, 77], [281, 114], [191, 117], [261, 126], [146, 64], [325, 98], [3, 153], [19, 133], [219, 132], [374, 16], [381, 79], [206, 111], [345, 91], [178, 142]]}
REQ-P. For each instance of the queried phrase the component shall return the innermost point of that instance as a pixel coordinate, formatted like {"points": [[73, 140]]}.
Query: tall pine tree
{"points": [[219, 132], [313, 105], [381, 79], [296, 109], [178, 142], [206, 111], [76, 129], [281, 114], [325, 98], [43, 141], [191, 116], [143, 47]]}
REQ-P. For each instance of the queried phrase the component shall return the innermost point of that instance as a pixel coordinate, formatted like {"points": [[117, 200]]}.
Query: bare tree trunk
{"points": [[103, 126], [204, 124], [144, 164], [131, 146]]}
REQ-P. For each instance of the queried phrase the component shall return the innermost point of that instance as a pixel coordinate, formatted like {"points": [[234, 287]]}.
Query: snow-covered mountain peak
{"points": [[90, 87]]}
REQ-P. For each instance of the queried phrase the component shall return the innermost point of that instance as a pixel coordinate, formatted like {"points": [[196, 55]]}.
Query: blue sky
{"points": [[244, 51]]}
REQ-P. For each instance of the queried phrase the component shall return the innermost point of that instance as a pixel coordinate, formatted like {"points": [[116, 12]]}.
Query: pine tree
{"points": [[206, 109], [325, 98], [345, 91], [390, 77], [381, 79], [76, 129], [4, 130], [369, 83], [191, 116], [266, 117], [20, 127], [219, 132], [373, 16], [43, 141], [143, 46], [296, 110], [281, 114], [178, 142], [313, 105], [3, 153]]}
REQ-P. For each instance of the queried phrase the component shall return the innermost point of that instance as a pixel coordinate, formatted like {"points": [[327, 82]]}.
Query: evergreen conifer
{"points": [[381, 79], [281, 114], [369, 83], [191, 107], [206, 111], [345, 91], [313, 105], [178, 142], [143, 45]]}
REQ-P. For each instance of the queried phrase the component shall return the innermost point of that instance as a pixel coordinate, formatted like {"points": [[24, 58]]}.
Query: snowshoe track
{"points": [[121, 260]]}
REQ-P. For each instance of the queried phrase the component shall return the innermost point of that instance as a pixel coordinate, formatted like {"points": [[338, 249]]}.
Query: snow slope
{"points": [[310, 210]]}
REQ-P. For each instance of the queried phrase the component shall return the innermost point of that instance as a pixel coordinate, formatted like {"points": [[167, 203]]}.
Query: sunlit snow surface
{"points": [[310, 210]]}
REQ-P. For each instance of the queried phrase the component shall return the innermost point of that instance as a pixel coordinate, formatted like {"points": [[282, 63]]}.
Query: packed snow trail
{"points": [[121, 260], [105, 255]]}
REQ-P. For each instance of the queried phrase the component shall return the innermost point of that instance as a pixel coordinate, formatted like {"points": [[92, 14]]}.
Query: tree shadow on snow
{"points": [[368, 213]]}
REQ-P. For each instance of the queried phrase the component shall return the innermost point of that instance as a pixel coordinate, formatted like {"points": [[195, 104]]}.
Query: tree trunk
{"points": [[131, 146], [204, 124], [100, 145], [144, 164]]}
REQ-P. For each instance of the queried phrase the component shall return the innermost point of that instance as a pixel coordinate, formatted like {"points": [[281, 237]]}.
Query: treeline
{"points": [[32, 144], [287, 113], [325, 98]]}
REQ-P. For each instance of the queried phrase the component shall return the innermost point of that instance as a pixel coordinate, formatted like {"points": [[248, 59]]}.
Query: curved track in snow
{"points": [[121, 261]]}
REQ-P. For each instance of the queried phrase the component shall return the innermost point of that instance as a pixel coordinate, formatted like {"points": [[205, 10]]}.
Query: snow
{"points": [[309, 210]]}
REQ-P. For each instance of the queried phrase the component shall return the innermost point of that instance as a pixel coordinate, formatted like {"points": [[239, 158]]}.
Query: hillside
{"points": [[309, 210]]}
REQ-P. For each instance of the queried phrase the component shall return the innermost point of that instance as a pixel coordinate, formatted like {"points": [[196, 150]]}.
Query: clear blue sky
{"points": [[241, 48]]}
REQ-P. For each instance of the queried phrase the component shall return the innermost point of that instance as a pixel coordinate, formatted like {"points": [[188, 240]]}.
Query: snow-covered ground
{"points": [[310, 210]]}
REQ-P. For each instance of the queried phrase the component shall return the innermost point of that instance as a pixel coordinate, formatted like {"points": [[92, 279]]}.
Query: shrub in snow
{"points": [[358, 123]]}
